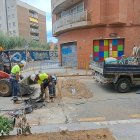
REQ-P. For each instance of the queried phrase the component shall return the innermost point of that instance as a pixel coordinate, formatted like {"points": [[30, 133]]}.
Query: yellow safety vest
{"points": [[15, 69], [42, 77]]}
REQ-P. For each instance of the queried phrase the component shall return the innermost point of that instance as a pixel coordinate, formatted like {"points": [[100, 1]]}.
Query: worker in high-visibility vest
{"points": [[45, 81], [15, 77]]}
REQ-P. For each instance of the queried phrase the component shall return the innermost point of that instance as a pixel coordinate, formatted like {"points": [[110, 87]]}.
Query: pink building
{"points": [[98, 28]]}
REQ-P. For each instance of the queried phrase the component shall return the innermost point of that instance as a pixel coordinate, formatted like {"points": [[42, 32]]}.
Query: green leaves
{"points": [[6, 125], [8, 42], [11, 42]]}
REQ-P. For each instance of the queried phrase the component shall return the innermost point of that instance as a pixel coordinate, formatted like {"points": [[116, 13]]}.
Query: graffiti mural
{"points": [[30, 55], [53, 55], [39, 55]]}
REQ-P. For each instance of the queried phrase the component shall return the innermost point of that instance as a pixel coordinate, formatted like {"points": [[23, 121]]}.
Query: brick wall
{"points": [[42, 28], [85, 37], [23, 22], [107, 16]]}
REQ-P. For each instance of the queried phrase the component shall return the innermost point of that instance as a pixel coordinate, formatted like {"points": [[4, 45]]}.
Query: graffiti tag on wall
{"points": [[31, 55]]}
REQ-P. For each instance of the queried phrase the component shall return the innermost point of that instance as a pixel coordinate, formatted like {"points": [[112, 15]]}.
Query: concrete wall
{"points": [[3, 17], [12, 18]]}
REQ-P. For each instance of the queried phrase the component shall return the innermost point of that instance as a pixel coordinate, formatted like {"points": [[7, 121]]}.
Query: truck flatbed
{"points": [[104, 68], [120, 68], [123, 76]]}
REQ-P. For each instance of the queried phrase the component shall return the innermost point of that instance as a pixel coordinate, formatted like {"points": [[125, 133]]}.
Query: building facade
{"points": [[20, 19], [95, 29]]}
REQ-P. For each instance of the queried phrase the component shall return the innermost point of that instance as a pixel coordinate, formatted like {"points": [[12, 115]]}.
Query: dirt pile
{"points": [[99, 134], [73, 88]]}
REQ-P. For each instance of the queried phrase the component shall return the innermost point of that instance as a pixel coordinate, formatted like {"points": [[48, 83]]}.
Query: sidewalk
{"points": [[121, 129]]}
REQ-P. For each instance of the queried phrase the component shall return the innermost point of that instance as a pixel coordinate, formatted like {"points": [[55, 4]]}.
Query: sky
{"points": [[44, 5]]}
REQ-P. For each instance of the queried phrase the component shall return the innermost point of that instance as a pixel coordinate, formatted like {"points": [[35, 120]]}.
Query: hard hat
{"points": [[32, 77], [23, 63]]}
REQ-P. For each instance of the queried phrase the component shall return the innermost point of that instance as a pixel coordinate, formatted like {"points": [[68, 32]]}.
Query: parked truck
{"points": [[122, 76]]}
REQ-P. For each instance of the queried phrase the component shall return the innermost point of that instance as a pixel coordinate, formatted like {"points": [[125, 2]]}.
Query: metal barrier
{"points": [[49, 64], [41, 65]]}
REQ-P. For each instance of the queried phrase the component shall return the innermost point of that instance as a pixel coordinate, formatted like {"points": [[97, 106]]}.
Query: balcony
{"points": [[35, 38], [34, 20], [77, 20], [60, 5], [34, 16], [34, 31], [32, 24]]}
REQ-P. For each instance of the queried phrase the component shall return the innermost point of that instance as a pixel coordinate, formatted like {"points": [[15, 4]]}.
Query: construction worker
{"points": [[44, 80], [15, 77]]}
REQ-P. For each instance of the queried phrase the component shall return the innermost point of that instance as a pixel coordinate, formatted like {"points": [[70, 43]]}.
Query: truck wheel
{"points": [[5, 88], [123, 85]]}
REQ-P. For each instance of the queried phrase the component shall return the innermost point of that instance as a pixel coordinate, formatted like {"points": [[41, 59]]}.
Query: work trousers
{"points": [[15, 87], [50, 85]]}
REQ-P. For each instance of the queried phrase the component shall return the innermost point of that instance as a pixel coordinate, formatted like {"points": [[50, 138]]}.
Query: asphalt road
{"points": [[106, 105]]}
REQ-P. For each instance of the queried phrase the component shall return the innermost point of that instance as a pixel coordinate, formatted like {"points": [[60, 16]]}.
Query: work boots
{"points": [[15, 100]]}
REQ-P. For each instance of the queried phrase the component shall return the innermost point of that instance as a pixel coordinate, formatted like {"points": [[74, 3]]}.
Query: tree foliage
{"points": [[38, 46], [8, 42], [6, 125]]}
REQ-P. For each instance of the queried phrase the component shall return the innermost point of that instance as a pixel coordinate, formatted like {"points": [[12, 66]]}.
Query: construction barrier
{"points": [[50, 64], [41, 65]]}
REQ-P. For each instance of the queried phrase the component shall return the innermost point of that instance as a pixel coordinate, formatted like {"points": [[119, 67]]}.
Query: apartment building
{"points": [[20, 19], [95, 29]]}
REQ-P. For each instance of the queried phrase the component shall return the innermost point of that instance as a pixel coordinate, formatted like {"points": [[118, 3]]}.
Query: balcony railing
{"points": [[32, 24], [71, 19], [35, 38], [34, 30]]}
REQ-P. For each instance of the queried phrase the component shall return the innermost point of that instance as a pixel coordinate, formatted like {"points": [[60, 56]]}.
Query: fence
{"points": [[45, 65], [41, 65]]}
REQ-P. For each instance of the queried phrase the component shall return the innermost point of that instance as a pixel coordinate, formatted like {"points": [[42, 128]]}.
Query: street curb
{"points": [[78, 126]]}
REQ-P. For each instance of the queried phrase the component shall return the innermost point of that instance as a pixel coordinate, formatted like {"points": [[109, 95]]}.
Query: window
{"points": [[14, 24], [35, 16], [9, 32], [9, 25], [80, 7], [13, 15], [73, 10], [64, 13], [0, 17], [0, 25], [8, 16], [14, 32]]}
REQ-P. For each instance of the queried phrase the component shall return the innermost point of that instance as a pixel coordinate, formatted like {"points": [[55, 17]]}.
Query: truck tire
{"points": [[123, 85], [5, 88]]}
